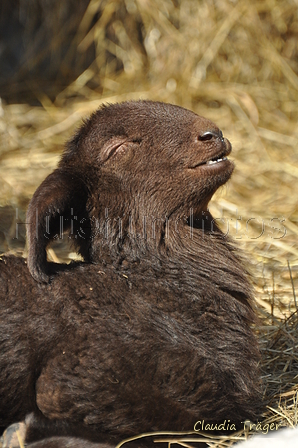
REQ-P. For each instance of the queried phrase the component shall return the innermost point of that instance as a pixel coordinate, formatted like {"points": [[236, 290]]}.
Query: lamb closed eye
{"points": [[113, 146]]}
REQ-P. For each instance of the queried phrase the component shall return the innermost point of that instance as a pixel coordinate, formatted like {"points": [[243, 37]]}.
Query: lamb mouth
{"points": [[214, 161]]}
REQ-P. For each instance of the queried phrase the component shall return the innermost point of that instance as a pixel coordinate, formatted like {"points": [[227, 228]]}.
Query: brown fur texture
{"points": [[153, 331]]}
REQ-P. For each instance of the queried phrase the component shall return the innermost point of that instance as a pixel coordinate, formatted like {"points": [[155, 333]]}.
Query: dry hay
{"points": [[234, 62]]}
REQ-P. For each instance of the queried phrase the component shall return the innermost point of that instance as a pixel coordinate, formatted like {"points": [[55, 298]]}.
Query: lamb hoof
{"points": [[14, 436]]}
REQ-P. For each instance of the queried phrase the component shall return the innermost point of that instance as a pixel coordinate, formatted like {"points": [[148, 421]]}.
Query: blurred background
{"points": [[233, 61]]}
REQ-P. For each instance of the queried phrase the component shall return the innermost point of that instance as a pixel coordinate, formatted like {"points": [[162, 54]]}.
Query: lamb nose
{"points": [[208, 135]]}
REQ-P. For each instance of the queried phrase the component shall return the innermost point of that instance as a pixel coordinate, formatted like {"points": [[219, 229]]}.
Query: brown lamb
{"points": [[152, 332]]}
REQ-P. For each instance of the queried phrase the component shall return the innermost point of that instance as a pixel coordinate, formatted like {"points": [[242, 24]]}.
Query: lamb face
{"points": [[159, 157], [128, 163]]}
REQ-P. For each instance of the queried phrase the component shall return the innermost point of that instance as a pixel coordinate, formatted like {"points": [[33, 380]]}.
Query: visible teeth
{"points": [[211, 162]]}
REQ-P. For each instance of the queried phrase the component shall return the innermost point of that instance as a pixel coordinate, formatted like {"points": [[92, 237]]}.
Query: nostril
{"points": [[206, 136], [209, 135]]}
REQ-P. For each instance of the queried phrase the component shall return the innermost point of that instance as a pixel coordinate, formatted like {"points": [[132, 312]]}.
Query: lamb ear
{"points": [[57, 199]]}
